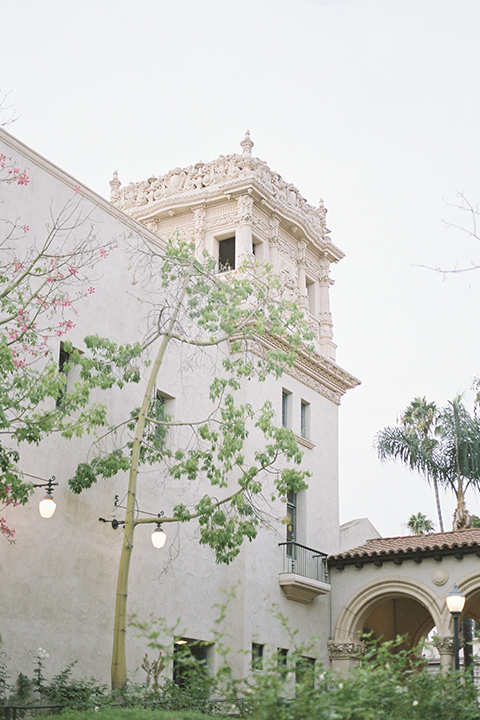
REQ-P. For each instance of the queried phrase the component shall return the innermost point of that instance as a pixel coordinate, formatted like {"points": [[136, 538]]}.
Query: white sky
{"points": [[372, 105]]}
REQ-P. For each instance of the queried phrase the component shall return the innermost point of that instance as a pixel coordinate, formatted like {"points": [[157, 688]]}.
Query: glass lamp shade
{"points": [[47, 507], [158, 538], [455, 600]]}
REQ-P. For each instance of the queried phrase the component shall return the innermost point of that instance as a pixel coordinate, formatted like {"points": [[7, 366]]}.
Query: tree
{"points": [[42, 279], [420, 417], [242, 317], [419, 524], [451, 457], [413, 442]]}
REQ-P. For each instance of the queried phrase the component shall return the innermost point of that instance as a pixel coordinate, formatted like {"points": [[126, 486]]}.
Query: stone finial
{"points": [[247, 145], [115, 187]]}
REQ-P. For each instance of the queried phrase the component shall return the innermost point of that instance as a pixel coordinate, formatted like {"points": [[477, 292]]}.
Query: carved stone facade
{"points": [[238, 195]]}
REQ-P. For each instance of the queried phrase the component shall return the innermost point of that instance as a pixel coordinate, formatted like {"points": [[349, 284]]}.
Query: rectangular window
{"points": [[226, 254], [63, 360], [305, 671], [163, 410], [282, 655], [310, 287], [305, 419], [190, 658], [257, 656], [285, 409], [291, 523]]}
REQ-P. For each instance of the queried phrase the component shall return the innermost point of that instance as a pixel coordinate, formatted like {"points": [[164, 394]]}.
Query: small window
{"points": [[285, 408], [291, 523], [282, 655], [305, 419], [63, 360], [311, 296], [305, 671], [190, 659], [162, 410], [226, 254], [257, 656]]}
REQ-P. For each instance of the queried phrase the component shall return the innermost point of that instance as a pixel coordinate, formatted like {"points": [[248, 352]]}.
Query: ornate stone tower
{"points": [[236, 207]]}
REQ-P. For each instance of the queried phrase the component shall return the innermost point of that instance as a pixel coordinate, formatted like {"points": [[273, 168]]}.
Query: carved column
{"points": [[327, 346], [344, 655], [199, 215], [273, 242], [445, 647], [244, 236], [302, 277]]}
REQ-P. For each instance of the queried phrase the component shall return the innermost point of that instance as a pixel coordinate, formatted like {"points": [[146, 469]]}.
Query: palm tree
{"points": [[419, 524], [421, 417], [457, 457], [413, 443], [449, 457]]}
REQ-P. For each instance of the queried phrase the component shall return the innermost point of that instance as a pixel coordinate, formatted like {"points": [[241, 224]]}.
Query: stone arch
{"points": [[353, 616]]}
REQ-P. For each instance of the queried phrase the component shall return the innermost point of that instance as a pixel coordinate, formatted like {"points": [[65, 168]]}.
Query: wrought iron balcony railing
{"points": [[304, 561]]}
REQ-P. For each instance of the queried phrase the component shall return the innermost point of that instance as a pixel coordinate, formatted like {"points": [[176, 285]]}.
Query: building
{"points": [[59, 578]]}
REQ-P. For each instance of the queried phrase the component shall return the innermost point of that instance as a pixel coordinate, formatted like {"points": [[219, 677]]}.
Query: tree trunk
{"points": [[119, 656], [439, 509]]}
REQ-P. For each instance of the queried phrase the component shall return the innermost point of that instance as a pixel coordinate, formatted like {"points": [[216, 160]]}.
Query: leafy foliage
{"points": [[450, 456]]}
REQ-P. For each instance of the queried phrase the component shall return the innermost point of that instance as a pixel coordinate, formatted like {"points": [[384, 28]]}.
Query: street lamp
{"points": [[47, 506], [158, 537], [455, 603]]}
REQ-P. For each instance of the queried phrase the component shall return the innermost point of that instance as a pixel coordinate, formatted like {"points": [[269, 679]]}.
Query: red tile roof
{"points": [[447, 543]]}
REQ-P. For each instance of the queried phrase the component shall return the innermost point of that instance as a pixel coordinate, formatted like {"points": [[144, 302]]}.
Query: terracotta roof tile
{"points": [[411, 544]]}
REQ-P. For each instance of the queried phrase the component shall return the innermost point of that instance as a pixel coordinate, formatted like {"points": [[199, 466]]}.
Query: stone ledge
{"points": [[302, 589]]}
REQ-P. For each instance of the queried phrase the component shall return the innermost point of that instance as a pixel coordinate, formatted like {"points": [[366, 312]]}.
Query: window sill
{"points": [[303, 441]]}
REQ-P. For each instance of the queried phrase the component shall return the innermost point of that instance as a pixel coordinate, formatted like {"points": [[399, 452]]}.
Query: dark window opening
{"points": [[282, 654], [257, 656], [291, 523], [226, 254], [160, 430], [189, 662], [305, 671], [63, 360], [285, 404]]}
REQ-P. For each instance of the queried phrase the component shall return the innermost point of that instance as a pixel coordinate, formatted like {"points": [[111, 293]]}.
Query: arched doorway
{"points": [[385, 609]]}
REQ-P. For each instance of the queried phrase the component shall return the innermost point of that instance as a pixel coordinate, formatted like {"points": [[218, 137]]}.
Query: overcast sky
{"points": [[372, 105]]}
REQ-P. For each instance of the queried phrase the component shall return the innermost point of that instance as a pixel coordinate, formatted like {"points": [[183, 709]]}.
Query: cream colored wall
{"points": [[58, 580]]}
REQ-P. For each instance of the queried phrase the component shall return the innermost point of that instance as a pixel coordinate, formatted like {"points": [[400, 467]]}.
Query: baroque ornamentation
{"points": [[203, 180], [345, 649]]}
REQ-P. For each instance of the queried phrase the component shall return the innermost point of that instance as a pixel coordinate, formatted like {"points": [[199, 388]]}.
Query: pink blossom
{"points": [[103, 252], [23, 179], [76, 188], [73, 270], [25, 228], [91, 290]]}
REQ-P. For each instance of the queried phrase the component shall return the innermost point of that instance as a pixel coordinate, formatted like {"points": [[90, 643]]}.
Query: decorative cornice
{"points": [[311, 368], [228, 174]]}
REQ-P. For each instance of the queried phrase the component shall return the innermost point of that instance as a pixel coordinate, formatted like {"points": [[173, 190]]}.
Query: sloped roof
{"points": [[436, 545]]}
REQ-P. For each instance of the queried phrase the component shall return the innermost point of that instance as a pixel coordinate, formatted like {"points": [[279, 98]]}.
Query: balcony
{"points": [[305, 572]]}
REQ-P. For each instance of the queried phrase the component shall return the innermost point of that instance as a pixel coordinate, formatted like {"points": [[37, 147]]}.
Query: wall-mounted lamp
{"points": [[47, 506]]}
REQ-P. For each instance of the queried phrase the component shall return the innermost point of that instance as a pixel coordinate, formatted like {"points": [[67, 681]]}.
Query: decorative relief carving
{"points": [[230, 171], [337, 650], [245, 208], [444, 645]]}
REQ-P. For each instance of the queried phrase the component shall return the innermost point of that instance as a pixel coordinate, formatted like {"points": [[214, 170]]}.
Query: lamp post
{"points": [[455, 603]]}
